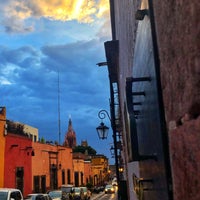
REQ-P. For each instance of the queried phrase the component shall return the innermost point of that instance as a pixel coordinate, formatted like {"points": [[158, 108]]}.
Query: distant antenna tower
{"points": [[59, 134]]}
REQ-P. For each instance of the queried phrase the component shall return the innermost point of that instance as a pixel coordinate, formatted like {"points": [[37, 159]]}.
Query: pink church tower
{"points": [[70, 136]]}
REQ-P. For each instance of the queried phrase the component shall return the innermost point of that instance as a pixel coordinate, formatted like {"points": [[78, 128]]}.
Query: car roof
{"points": [[9, 189], [67, 185], [53, 191]]}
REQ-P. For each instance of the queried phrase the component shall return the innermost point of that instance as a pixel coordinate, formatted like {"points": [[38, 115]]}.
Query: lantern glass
{"points": [[102, 131]]}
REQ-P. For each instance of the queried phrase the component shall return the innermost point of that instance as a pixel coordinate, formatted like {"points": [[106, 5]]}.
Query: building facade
{"points": [[38, 166], [100, 170], [2, 142], [18, 163], [153, 64], [51, 167]]}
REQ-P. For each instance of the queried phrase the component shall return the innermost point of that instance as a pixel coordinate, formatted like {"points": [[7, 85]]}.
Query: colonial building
{"points": [[18, 162], [100, 170], [78, 165], [3, 132], [51, 167], [36, 166], [28, 164]]}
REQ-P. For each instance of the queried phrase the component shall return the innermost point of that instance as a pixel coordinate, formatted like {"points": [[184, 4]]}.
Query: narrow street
{"points": [[103, 196]]}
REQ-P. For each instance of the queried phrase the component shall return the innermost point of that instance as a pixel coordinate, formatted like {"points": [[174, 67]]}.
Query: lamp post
{"points": [[102, 131]]}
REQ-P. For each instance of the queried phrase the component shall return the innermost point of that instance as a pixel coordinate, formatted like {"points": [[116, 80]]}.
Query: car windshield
{"points": [[84, 189], [77, 189], [3, 195], [109, 186], [54, 194], [31, 197], [66, 189]]}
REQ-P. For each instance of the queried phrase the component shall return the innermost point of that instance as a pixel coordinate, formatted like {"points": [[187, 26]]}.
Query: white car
{"points": [[38, 196], [10, 194], [55, 194]]}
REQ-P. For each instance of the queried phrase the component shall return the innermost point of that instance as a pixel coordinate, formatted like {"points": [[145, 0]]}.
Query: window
{"points": [[16, 195], [68, 176], [37, 184], [63, 176]]}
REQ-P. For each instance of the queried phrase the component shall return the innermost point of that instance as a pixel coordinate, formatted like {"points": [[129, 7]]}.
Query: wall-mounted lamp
{"points": [[121, 169], [14, 145], [29, 147], [32, 153], [140, 14], [102, 129], [60, 166]]}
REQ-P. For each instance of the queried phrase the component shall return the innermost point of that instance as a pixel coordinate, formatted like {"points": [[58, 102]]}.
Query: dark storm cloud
{"points": [[33, 88]]}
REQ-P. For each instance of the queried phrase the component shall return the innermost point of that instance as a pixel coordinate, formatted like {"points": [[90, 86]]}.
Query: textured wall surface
{"points": [[178, 36], [178, 31], [185, 153]]}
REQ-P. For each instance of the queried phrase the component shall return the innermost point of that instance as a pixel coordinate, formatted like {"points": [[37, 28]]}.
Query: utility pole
{"points": [[59, 134]]}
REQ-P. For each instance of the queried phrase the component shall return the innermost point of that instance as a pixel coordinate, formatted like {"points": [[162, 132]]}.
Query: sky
{"points": [[48, 55]]}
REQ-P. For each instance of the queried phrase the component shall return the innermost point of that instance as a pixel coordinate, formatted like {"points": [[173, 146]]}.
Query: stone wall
{"points": [[178, 31], [185, 156], [178, 36]]}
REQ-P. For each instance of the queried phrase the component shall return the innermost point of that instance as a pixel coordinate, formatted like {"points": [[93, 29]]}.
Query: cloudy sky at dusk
{"points": [[41, 39]]}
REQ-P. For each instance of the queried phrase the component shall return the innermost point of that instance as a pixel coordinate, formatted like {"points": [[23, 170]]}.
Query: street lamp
{"points": [[121, 169], [102, 129]]}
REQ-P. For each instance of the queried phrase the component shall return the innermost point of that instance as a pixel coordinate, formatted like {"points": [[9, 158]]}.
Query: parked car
{"points": [[55, 194], [10, 194], [67, 192], [38, 196], [76, 192], [109, 189]]}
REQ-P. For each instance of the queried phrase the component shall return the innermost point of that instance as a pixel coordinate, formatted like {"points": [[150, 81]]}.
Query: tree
{"points": [[82, 149], [16, 128]]}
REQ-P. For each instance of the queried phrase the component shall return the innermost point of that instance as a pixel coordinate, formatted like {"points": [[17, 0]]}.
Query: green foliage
{"points": [[82, 149], [42, 140], [15, 128]]}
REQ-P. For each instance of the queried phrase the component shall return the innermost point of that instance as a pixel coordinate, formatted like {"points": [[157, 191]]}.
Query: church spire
{"points": [[70, 128], [70, 136]]}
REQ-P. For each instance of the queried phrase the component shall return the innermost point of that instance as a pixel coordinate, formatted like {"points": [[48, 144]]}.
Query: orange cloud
{"points": [[65, 10]]}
